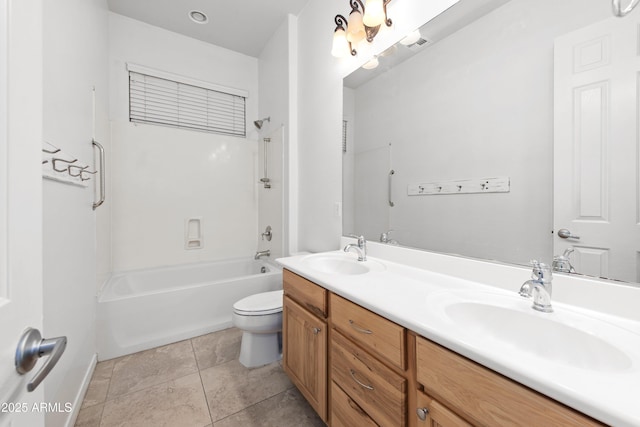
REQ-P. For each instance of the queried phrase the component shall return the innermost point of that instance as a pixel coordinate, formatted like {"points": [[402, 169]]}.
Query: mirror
{"points": [[450, 142]]}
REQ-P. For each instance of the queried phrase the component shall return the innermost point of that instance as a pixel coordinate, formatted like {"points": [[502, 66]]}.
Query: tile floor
{"points": [[193, 383]]}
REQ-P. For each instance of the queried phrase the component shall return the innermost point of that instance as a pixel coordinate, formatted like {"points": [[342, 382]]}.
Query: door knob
{"points": [[31, 347], [563, 233]]}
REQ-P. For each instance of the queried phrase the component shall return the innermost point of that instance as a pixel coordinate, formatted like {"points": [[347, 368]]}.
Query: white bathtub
{"points": [[142, 309]]}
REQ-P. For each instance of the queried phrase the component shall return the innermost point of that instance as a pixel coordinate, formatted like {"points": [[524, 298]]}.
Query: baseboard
{"points": [[77, 403]]}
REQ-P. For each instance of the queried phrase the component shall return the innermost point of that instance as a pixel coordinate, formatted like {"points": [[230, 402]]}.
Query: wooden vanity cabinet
{"points": [[357, 368], [368, 382], [471, 392], [304, 340], [378, 390], [368, 364]]}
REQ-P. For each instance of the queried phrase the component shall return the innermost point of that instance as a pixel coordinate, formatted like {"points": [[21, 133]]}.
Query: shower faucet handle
{"points": [[267, 233]]}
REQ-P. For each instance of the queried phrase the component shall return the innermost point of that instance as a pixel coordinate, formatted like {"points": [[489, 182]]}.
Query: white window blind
{"points": [[167, 102]]}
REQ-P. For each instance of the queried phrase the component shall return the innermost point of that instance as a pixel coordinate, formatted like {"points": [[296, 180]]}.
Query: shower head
{"points": [[258, 123]]}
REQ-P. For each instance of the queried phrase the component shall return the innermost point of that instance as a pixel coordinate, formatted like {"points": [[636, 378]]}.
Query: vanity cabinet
{"points": [[378, 390], [368, 363], [357, 368], [368, 379], [480, 395], [304, 341]]}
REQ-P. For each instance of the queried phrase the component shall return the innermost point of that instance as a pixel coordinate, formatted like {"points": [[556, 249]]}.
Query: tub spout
{"points": [[259, 254]]}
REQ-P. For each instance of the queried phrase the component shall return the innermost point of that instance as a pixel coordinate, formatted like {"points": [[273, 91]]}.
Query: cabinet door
{"points": [[304, 353], [434, 414]]}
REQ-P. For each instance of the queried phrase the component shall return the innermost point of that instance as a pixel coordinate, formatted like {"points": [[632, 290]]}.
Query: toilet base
{"points": [[259, 349]]}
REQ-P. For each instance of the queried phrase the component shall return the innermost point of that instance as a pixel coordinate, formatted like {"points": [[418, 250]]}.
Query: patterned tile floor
{"points": [[193, 383]]}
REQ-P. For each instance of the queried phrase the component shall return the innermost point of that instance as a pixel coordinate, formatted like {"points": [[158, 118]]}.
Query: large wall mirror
{"points": [[508, 133]]}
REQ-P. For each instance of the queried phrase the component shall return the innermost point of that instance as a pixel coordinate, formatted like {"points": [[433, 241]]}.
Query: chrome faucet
{"points": [[360, 248], [386, 238], [562, 263], [259, 254], [539, 287]]}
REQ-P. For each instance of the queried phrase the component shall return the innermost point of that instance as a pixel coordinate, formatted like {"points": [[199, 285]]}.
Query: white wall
{"points": [[476, 104], [320, 110], [160, 176], [75, 61]]}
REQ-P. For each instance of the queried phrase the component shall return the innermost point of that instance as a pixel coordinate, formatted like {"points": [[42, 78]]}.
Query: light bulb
{"points": [[340, 47], [411, 38], [373, 13], [373, 63], [355, 29]]}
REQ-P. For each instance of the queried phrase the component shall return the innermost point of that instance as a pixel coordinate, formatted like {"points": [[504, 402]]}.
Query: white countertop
{"points": [[409, 295]]}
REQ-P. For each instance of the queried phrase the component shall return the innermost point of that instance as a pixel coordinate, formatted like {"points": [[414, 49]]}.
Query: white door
{"points": [[597, 71], [20, 202]]}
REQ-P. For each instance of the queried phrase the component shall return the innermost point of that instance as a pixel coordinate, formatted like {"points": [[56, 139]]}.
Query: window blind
{"points": [[171, 103]]}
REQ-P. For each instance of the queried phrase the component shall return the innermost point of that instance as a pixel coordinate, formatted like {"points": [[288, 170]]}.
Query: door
{"points": [[304, 353], [596, 182], [20, 202]]}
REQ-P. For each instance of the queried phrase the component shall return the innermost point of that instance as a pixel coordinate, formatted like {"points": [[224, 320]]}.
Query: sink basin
{"points": [[504, 321], [341, 264]]}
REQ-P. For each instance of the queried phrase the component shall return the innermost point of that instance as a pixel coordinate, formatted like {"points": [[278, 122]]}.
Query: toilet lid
{"points": [[260, 304]]}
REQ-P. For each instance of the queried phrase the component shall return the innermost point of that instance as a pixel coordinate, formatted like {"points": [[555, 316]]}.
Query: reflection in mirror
{"points": [[471, 122]]}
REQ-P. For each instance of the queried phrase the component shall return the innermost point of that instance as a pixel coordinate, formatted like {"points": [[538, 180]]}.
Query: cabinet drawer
{"points": [[375, 333], [485, 397], [345, 412], [306, 293], [378, 390]]}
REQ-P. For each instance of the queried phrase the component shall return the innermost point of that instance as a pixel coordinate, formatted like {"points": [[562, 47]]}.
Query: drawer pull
{"points": [[353, 375], [316, 331], [422, 413], [364, 331]]}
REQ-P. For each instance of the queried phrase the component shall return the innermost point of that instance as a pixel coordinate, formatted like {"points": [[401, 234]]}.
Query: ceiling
{"points": [[242, 26]]}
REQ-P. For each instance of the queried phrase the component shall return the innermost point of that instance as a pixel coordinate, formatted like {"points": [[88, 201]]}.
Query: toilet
{"points": [[259, 317]]}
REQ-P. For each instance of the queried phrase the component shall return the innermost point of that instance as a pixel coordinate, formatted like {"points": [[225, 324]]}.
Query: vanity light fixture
{"points": [[363, 24], [198, 17]]}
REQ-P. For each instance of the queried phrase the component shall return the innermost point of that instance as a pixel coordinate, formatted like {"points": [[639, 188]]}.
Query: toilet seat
{"points": [[259, 304]]}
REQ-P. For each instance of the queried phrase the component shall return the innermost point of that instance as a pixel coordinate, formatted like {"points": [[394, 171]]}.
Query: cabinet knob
{"points": [[422, 413], [316, 331]]}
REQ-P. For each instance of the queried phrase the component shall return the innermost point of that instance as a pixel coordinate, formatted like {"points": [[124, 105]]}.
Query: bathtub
{"points": [[142, 309]]}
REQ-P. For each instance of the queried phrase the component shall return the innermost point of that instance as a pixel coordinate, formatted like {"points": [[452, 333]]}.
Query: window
{"points": [[164, 99]]}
